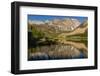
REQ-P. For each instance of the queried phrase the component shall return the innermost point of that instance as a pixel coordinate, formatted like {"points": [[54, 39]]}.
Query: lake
{"points": [[70, 50]]}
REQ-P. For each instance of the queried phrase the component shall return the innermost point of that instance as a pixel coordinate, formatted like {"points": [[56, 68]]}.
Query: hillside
{"points": [[79, 30]]}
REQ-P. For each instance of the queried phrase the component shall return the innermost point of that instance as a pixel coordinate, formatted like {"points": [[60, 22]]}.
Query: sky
{"points": [[50, 17]]}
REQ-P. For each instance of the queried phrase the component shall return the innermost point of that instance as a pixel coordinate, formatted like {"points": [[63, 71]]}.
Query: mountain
{"points": [[67, 24], [79, 30], [57, 31]]}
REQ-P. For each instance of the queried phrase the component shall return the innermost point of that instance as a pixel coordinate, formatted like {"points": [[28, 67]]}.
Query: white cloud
{"points": [[36, 22]]}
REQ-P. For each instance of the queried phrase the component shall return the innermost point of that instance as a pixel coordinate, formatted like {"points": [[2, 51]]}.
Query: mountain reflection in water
{"points": [[70, 50]]}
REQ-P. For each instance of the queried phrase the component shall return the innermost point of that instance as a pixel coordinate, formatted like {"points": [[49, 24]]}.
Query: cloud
{"points": [[36, 22]]}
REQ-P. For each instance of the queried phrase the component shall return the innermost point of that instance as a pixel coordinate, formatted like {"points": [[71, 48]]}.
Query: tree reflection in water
{"points": [[70, 50]]}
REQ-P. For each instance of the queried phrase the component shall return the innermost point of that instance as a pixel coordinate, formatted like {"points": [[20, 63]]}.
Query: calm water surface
{"points": [[58, 51]]}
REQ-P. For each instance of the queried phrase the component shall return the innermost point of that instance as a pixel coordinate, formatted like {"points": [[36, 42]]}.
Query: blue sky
{"points": [[50, 17]]}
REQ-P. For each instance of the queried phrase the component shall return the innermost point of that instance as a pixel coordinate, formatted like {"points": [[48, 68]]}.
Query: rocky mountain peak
{"points": [[66, 24]]}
